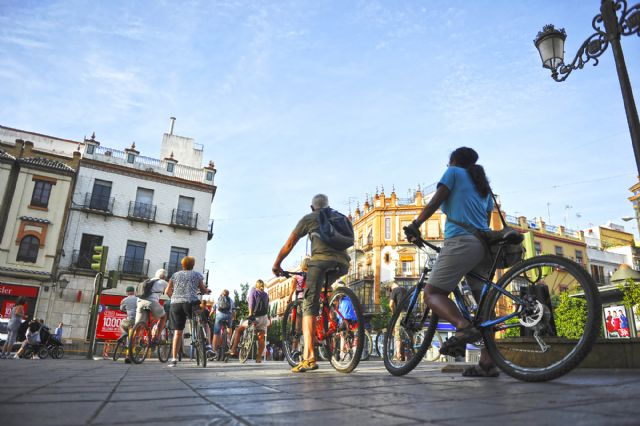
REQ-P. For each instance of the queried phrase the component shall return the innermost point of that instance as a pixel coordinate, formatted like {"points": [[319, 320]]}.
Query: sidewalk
{"points": [[76, 392]]}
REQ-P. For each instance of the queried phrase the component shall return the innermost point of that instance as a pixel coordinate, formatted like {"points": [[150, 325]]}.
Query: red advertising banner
{"points": [[18, 290], [108, 327], [7, 305]]}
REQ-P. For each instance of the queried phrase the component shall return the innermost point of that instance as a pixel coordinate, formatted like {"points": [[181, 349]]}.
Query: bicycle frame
{"points": [[459, 300]]}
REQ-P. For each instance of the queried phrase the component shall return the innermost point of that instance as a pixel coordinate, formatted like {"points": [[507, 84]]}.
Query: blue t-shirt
{"points": [[464, 203], [346, 309]]}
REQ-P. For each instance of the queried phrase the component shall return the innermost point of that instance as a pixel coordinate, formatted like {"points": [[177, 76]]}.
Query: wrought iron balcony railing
{"points": [[142, 211], [133, 266], [98, 203], [171, 268], [184, 219], [81, 260]]}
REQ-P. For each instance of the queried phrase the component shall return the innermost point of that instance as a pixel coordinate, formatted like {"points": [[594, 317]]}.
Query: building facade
{"points": [[36, 183]]}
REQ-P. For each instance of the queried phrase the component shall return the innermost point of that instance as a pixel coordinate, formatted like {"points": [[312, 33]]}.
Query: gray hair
{"points": [[319, 201], [161, 274]]}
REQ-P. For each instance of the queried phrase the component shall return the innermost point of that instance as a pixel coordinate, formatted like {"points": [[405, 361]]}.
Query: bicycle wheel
{"points": [[542, 340], [164, 346], [292, 338], [246, 345], [408, 336], [379, 344], [223, 345], [119, 350], [139, 343], [347, 341]]}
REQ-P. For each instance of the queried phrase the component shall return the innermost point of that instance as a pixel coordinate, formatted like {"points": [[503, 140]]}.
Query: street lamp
{"points": [[550, 45]]}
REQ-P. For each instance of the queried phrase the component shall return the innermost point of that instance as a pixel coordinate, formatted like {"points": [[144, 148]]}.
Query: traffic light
{"points": [[112, 279], [99, 258]]}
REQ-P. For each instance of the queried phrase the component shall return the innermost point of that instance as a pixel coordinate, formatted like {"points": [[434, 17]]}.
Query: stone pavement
{"points": [[75, 392]]}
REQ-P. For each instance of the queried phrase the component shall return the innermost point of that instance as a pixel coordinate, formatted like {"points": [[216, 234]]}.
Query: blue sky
{"points": [[299, 97]]}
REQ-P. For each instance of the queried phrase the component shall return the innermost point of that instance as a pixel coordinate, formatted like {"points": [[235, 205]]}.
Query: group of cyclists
{"points": [[463, 194]]}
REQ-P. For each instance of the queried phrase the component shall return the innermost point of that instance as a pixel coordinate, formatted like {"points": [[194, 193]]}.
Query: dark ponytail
{"points": [[466, 158]]}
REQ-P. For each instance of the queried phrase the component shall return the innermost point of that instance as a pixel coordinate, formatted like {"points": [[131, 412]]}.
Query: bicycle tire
{"points": [[535, 268], [407, 336], [139, 343], [247, 345], [164, 347], [200, 344], [223, 346], [357, 335], [379, 344], [367, 348], [119, 349], [290, 334]]}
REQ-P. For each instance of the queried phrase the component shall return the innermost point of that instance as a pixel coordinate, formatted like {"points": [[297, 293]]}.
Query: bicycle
{"points": [[198, 337], [248, 342], [221, 352], [514, 316], [140, 341], [340, 339]]}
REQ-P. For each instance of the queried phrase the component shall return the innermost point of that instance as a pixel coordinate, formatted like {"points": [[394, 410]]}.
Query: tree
{"points": [[512, 331], [631, 295], [240, 301], [381, 319], [571, 316]]}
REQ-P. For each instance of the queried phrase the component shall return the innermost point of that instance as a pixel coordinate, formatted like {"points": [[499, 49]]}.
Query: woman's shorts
{"points": [[180, 312], [459, 256]]}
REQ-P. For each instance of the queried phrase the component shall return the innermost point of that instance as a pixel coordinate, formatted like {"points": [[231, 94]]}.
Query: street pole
{"points": [[613, 30], [93, 319]]}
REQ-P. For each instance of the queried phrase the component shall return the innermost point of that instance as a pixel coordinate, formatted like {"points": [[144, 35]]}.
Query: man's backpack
{"points": [[335, 229], [143, 290], [224, 303], [260, 308]]}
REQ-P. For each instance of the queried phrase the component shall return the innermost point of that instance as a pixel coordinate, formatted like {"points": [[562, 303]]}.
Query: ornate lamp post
{"points": [[550, 44]]}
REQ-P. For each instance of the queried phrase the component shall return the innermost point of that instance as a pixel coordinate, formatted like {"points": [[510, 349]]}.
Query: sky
{"points": [[293, 98]]}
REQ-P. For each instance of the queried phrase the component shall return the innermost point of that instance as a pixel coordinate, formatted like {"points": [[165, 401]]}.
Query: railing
{"points": [[142, 211], [412, 273], [98, 203], [552, 228], [572, 233], [81, 260], [210, 231], [532, 224], [511, 219], [171, 268], [184, 219], [133, 266], [364, 291], [361, 275], [110, 152]]}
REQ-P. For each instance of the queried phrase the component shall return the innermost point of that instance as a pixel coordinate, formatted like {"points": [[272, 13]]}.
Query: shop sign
{"points": [[18, 290], [109, 324]]}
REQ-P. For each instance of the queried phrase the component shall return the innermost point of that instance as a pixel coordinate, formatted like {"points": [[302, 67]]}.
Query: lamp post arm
{"points": [[592, 48]]}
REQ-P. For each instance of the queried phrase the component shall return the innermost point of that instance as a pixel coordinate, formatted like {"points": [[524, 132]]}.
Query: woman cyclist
{"points": [[464, 195]]}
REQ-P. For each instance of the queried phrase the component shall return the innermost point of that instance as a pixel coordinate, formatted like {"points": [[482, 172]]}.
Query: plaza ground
{"points": [[77, 391]]}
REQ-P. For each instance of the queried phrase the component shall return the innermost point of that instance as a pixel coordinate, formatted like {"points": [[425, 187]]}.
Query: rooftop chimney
{"points": [[172, 121]]}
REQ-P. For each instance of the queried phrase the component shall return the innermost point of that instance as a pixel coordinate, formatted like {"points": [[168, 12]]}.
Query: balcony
{"points": [[133, 266], [210, 230], [171, 268], [407, 273], [98, 204], [184, 219], [367, 274], [364, 291], [141, 211], [81, 260]]}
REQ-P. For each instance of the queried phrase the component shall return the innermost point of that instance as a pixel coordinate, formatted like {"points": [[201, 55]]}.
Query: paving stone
{"points": [[352, 416], [152, 410], [53, 413]]}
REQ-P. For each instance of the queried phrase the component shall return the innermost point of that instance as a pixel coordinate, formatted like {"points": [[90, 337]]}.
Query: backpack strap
{"points": [[497, 206]]}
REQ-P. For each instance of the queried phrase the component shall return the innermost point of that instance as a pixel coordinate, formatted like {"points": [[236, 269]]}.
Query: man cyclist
{"points": [[324, 258], [151, 303], [129, 306], [224, 310], [258, 312]]}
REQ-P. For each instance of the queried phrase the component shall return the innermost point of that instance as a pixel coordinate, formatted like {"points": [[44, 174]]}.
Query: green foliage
{"points": [[631, 295], [274, 332], [513, 331], [571, 316], [381, 319], [240, 301]]}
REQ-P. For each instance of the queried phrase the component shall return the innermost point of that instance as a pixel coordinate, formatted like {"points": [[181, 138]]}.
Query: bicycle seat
{"points": [[511, 236]]}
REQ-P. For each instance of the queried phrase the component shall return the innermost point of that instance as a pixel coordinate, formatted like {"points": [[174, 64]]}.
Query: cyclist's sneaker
{"points": [[127, 361], [172, 363], [306, 365]]}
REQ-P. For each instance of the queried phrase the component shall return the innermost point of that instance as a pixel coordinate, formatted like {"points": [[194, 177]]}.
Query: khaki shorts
{"points": [[155, 307], [459, 256], [262, 323], [316, 277], [125, 324]]}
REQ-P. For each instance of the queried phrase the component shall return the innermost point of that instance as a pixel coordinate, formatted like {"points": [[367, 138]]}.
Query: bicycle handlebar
{"points": [[287, 274], [421, 242]]}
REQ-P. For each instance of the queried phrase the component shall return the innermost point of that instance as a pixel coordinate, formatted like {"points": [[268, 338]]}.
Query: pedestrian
{"points": [[258, 311], [326, 261], [465, 196], [58, 332], [224, 312], [183, 290], [15, 318], [22, 329]]}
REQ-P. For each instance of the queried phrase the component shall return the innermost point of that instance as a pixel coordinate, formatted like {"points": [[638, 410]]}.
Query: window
{"points": [[387, 228], [143, 206], [175, 257], [87, 244], [209, 175], [41, 193], [131, 158], [170, 167], [537, 247], [401, 232], [91, 149], [597, 272], [406, 268], [559, 251], [134, 258], [579, 258], [28, 251], [184, 213], [100, 195]]}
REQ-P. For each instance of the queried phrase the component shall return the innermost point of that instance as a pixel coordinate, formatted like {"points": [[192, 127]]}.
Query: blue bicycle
{"points": [[538, 321]]}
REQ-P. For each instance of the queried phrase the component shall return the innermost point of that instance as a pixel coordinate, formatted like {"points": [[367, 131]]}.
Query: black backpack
{"points": [[224, 303], [335, 229], [260, 309], [143, 290]]}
